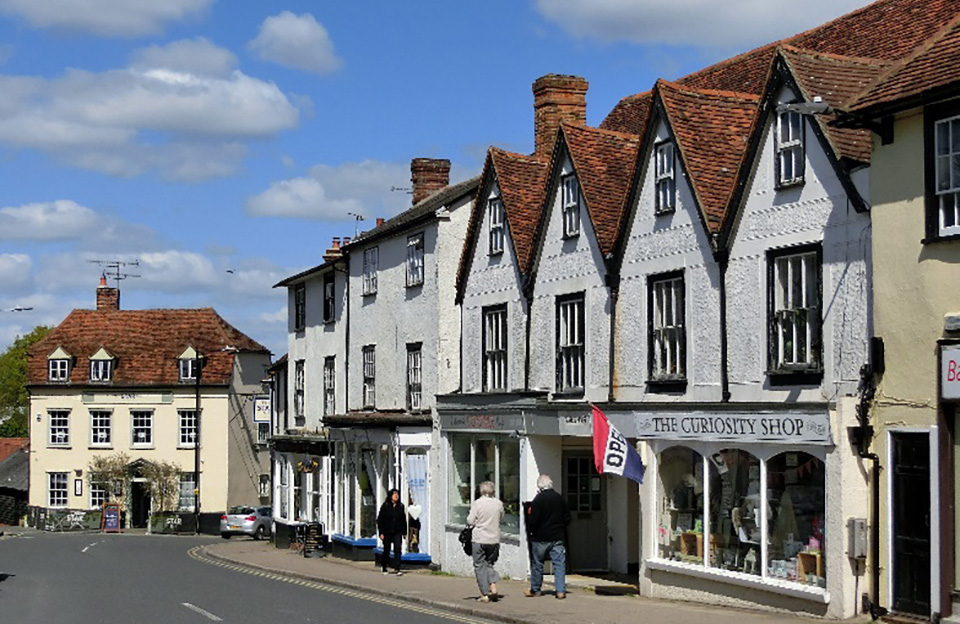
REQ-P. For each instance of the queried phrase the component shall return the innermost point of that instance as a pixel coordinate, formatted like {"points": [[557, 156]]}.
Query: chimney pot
{"points": [[557, 99], [336, 242], [428, 175], [379, 221]]}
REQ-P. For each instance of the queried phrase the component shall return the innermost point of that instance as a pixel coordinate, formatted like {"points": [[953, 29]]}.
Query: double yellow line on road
{"points": [[198, 553]]}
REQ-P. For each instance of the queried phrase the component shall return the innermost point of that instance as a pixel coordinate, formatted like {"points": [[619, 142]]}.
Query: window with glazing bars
{"points": [[667, 337], [570, 203], [495, 349], [570, 343], [790, 152], [299, 307], [298, 388], [58, 370], [371, 260], [57, 489], [414, 376], [664, 178], [59, 427], [369, 376], [101, 370], [329, 385], [947, 174], [329, 298], [188, 427], [495, 217], [142, 427], [415, 260], [100, 428], [795, 310], [188, 490]]}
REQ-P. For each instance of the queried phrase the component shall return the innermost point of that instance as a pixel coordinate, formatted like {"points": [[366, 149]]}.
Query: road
{"points": [[68, 578]]}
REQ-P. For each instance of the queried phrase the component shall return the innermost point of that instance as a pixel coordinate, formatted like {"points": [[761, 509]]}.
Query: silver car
{"points": [[242, 520]]}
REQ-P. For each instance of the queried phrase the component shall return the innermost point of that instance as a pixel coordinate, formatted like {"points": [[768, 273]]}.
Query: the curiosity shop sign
{"points": [[785, 428]]}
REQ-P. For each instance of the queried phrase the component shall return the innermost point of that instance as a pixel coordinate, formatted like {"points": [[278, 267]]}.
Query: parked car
{"points": [[256, 522]]}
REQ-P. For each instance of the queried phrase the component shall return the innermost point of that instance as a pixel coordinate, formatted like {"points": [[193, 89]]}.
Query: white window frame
{"points": [[570, 205], [414, 376], [664, 166], [571, 344], [946, 178], [371, 261], [369, 360], [495, 349], [136, 427], [98, 495], [101, 370], [58, 494], [415, 262], [187, 491], [496, 218], [58, 369], [790, 148], [329, 386], [188, 369], [101, 428], [798, 318], [299, 382], [186, 423], [667, 328], [58, 427]]}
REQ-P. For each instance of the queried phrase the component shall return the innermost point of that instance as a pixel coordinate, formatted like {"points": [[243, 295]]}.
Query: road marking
{"points": [[197, 553], [86, 548], [202, 612]]}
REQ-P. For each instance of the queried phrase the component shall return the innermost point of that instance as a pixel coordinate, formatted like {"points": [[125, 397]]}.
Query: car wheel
{"points": [[225, 535], [258, 534]]}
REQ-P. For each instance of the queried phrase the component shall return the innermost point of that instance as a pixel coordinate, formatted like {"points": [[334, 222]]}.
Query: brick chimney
{"points": [[428, 175], [108, 299], [334, 251], [556, 99]]}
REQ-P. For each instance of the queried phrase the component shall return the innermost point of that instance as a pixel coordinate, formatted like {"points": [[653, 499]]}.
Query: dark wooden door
{"points": [[911, 523], [139, 504]]}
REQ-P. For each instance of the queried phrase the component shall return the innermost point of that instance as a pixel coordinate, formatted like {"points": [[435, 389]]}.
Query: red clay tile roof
{"points": [[145, 343], [934, 64], [604, 161], [8, 446], [712, 130], [631, 114]]}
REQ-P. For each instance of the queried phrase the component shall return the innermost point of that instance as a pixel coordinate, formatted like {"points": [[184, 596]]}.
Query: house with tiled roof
{"points": [[162, 385], [374, 337], [913, 110]]}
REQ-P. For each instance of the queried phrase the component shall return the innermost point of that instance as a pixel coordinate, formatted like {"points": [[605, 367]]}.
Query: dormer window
{"points": [[58, 365], [570, 204], [189, 364], [665, 180], [790, 150], [495, 219], [101, 366]]}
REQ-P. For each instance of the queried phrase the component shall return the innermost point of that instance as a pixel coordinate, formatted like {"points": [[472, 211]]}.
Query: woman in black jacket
{"points": [[392, 526]]}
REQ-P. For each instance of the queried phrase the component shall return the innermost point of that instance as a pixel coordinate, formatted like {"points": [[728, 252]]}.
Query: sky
{"points": [[221, 144]]}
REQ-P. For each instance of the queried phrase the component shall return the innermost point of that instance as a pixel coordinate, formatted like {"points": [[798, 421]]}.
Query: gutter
{"points": [[862, 436], [723, 257]]}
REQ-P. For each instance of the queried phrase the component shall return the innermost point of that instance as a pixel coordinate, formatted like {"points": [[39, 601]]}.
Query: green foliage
{"points": [[13, 384], [113, 470], [164, 478]]}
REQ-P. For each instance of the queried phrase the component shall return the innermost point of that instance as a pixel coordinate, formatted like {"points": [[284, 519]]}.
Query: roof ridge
{"points": [[731, 60], [531, 158], [861, 60], [723, 93], [630, 136]]}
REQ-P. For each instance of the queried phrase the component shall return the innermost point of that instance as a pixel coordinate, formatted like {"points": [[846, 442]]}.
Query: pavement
{"points": [[588, 600]]}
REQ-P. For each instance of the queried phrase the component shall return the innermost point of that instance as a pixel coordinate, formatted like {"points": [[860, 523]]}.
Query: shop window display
{"points": [[366, 478], [735, 511], [795, 503], [680, 534], [478, 459], [462, 487], [510, 485]]}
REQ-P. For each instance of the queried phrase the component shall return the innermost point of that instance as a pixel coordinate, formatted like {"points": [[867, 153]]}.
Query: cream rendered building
{"points": [[107, 381]]}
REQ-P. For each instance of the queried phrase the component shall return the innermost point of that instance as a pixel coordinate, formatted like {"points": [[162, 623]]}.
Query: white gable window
{"points": [[667, 340], [58, 365], [570, 204], [415, 260], [570, 343], [495, 349], [795, 295], [495, 218], [789, 145], [371, 259], [947, 174], [369, 376], [189, 363], [101, 366], [664, 178]]}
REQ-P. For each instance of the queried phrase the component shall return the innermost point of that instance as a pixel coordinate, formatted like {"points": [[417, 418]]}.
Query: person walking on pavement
{"points": [[547, 520], [486, 514], [392, 526]]}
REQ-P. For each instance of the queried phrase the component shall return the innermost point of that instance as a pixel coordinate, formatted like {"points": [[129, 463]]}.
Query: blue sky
{"points": [[222, 143]]}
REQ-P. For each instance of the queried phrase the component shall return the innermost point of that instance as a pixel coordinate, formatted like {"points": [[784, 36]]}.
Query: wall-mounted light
{"points": [[39, 417]]}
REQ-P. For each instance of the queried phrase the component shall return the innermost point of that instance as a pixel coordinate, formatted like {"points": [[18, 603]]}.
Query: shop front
{"points": [[749, 508]]}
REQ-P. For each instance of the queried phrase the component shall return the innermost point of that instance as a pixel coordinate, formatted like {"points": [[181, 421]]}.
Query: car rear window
{"points": [[265, 511], [240, 510]]}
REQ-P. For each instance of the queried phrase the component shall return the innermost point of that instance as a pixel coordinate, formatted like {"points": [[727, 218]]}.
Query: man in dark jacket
{"points": [[547, 520], [392, 526]]}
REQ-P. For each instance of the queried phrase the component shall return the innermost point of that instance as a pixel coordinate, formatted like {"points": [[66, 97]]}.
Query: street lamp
{"points": [[197, 368]]}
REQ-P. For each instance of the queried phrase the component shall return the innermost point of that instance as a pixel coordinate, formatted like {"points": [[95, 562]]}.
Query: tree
{"points": [[13, 384], [164, 479], [111, 472]]}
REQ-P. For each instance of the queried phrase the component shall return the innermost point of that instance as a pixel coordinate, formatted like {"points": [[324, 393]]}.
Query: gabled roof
{"points": [[604, 162], [146, 344], [712, 131], [10, 445], [631, 114], [15, 469], [933, 66], [836, 79]]}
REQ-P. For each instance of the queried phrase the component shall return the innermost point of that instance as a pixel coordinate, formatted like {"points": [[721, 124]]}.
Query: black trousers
{"points": [[391, 540]]}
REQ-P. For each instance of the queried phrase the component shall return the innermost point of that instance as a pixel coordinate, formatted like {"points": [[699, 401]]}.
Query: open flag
{"points": [[611, 452]]}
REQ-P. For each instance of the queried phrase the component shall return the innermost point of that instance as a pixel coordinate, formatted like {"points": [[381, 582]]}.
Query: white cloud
{"points": [[700, 23], [276, 317], [179, 109], [297, 41], [14, 271], [330, 193], [175, 270], [57, 220], [115, 18]]}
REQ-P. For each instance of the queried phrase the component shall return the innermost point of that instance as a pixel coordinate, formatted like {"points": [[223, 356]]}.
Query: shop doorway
{"points": [[139, 504], [586, 496], [911, 522]]}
